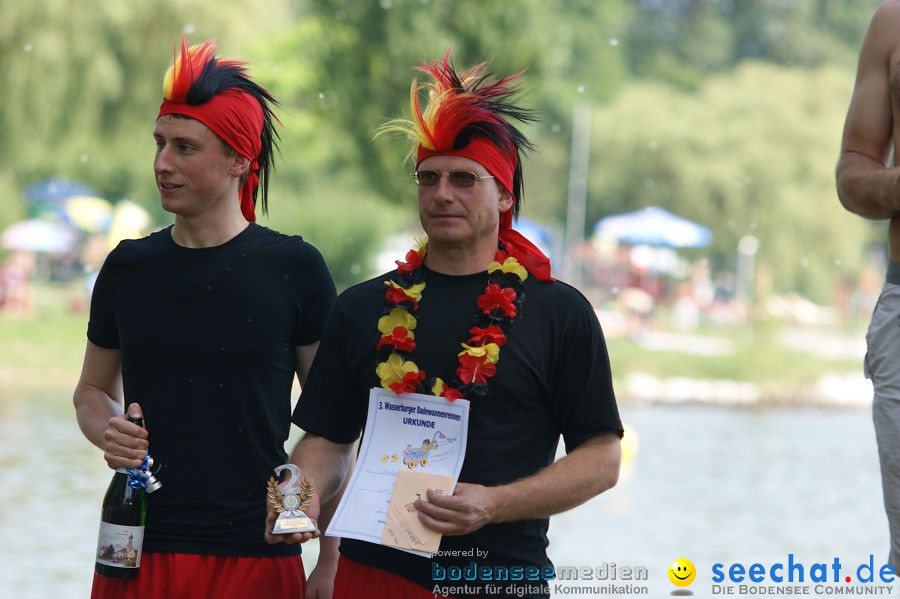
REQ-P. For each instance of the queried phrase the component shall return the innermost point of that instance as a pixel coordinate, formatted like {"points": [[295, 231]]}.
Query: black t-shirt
{"points": [[553, 378], [208, 340]]}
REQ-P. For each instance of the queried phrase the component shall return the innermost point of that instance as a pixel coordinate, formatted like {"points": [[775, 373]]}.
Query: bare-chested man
{"points": [[867, 186]]}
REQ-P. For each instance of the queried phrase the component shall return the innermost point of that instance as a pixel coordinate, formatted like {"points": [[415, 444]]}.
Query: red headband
{"points": [[237, 118], [498, 163]]}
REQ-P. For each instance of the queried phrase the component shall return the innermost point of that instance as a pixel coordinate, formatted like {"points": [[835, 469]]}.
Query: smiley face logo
{"points": [[682, 572]]}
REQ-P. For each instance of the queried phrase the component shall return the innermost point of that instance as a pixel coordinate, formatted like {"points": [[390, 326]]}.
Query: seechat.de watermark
{"points": [[797, 577]]}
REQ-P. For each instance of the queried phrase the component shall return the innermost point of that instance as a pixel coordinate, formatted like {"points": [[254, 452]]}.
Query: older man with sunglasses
{"points": [[490, 325]]}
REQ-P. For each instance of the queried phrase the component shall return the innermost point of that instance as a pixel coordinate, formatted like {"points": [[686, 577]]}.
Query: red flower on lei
{"points": [[409, 383], [500, 298], [482, 336], [451, 394], [413, 261], [398, 295], [440, 389], [475, 370], [398, 339]]}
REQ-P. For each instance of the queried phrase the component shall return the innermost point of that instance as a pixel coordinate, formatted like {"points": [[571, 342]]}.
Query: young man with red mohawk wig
{"points": [[200, 328], [474, 313]]}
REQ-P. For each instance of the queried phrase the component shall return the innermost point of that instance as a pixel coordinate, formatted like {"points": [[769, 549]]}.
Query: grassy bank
{"points": [[757, 357], [44, 352]]}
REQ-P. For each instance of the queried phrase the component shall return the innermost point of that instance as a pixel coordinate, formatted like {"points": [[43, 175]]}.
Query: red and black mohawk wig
{"points": [[465, 111], [221, 95], [470, 115]]}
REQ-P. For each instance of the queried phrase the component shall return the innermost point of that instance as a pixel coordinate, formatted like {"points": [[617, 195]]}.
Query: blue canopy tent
{"points": [[655, 227], [56, 190], [537, 234], [48, 197]]}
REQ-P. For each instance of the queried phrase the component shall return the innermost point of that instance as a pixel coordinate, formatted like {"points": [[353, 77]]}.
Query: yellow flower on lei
{"points": [[491, 351], [394, 369], [510, 265], [438, 387], [397, 317]]}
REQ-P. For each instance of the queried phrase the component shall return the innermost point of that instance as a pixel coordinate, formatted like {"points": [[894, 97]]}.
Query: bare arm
{"points": [[327, 464], [320, 584], [593, 467], [99, 400], [865, 185]]}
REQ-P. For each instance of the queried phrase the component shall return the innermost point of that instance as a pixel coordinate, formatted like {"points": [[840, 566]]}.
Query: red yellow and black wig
{"points": [[470, 115], [221, 95]]}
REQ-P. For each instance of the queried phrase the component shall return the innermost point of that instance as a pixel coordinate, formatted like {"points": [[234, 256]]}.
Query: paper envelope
{"points": [[402, 528]]}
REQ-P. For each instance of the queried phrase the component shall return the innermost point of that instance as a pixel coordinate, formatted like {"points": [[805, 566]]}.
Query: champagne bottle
{"points": [[122, 522]]}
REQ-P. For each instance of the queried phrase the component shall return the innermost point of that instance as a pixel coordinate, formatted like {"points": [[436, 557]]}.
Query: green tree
{"points": [[82, 83], [743, 161], [349, 65], [684, 41], [82, 86], [344, 68]]}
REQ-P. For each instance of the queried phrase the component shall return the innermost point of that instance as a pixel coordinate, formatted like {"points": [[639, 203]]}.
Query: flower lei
{"points": [[497, 306]]}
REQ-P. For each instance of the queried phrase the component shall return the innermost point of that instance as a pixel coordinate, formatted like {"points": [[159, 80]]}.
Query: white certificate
{"points": [[409, 431]]}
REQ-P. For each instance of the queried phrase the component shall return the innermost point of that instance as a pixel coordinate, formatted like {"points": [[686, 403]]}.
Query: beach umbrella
{"points": [[129, 221], [46, 199], [38, 235], [653, 226], [55, 190], [88, 213]]}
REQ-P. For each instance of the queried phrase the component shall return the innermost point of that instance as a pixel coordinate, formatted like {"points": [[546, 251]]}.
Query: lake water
{"points": [[709, 484], [734, 485]]}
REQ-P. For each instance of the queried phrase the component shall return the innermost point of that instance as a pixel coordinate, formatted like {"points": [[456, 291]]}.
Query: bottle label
{"points": [[120, 546]]}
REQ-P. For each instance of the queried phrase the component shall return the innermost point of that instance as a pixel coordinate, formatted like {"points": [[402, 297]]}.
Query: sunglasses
{"points": [[457, 178]]}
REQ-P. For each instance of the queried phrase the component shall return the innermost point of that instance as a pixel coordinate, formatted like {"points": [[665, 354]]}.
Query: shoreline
{"points": [[831, 390]]}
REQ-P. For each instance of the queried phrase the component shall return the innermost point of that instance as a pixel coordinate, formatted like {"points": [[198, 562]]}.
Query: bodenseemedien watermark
{"points": [[494, 580]]}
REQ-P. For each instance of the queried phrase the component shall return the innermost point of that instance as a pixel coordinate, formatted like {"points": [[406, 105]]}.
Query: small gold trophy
{"points": [[291, 503]]}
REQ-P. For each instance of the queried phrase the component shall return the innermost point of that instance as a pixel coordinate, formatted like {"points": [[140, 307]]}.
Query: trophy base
{"points": [[287, 526]]}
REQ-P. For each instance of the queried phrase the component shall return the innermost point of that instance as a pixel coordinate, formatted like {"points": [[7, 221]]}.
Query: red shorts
{"points": [[194, 576], [354, 580]]}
